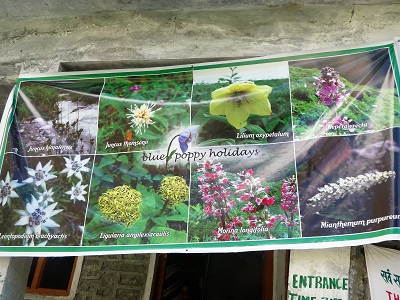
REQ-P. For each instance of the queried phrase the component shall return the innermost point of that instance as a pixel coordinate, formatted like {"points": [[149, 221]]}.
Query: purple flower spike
{"points": [[186, 136], [329, 89], [135, 88]]}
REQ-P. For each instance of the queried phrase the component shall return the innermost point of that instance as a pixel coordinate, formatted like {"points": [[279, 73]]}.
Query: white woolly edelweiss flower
{"points": [[349, 185], [75, 167], [77, 191], [46, 197], [40, 175], [36, 217], [7, 187]]}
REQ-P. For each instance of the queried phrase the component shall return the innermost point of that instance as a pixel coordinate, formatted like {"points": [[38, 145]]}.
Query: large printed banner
{"points": [[266, 153], [383, 272]]}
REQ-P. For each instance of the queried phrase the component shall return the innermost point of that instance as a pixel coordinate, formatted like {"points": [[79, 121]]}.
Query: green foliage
{"points": [[44, 99], [161, 90]]}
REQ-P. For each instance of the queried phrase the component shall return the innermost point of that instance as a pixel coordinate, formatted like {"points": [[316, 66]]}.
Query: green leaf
{"points": [[183, 210], [255, 129], [138, 171], [159, 119], [174, 236], [126, 179], [148, 211], [95, 182], [159, 202], [108, 177], [105, 161], [177, 217], [128, 241], [148, 135], [270, 123], [157, 177], [149, 201], [161, 221], [98, 172], [123, 159], [170, 155], [138, 226]]}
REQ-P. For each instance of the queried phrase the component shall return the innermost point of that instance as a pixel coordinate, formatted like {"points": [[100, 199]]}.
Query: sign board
{"points": [[383, 272], [267, 153], [319, 274]]}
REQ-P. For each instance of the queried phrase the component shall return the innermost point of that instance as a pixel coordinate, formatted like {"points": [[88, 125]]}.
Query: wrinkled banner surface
{"points": [[383, 272], [268, 153]]}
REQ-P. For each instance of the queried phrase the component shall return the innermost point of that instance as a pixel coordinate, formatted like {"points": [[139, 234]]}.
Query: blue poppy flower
{"points": [[186, 136]]}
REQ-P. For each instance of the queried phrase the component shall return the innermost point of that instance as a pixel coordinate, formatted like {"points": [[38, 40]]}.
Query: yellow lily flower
{"points": [[240, 100]]}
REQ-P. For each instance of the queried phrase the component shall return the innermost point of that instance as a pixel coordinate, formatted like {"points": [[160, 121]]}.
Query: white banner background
{"points": [[383, 267], [319, 274]]}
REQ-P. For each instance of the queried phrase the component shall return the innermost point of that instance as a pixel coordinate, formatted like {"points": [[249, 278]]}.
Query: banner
{"points": [[267, 153], [319, 274], [383, 272]]}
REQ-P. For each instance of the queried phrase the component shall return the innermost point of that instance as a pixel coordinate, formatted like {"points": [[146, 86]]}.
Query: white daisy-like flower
{"points": [[75, 167], [7, 187], [40, 175], [46, 197], [77, 191], [37, 218], [141, 116]]}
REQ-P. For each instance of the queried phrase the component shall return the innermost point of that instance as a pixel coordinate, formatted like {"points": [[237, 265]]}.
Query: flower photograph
{"points": [[56, 117], [141, 112], [44, 199], [249, 200], [134, 200], [349, 181], [343, 95], [242, 104]]}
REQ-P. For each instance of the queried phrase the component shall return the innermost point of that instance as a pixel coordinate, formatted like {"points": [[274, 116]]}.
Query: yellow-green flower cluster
{"points": [[174, 190], [121, 205]]}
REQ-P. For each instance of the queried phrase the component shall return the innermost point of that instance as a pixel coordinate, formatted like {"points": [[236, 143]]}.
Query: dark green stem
{"points": [[169, 148], [163, 209]]}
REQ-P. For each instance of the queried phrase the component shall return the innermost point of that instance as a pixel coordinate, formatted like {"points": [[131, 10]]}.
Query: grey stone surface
{"points": [[113, 277], [37, 38], [358, 277], [23, 8]]}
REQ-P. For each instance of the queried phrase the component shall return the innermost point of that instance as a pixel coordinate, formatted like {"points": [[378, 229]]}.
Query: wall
{"points": [[36, 37], [120, 277]]}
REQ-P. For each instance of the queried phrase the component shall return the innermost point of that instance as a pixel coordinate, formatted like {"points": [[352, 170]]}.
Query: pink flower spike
{"points": [[135, 88]]}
